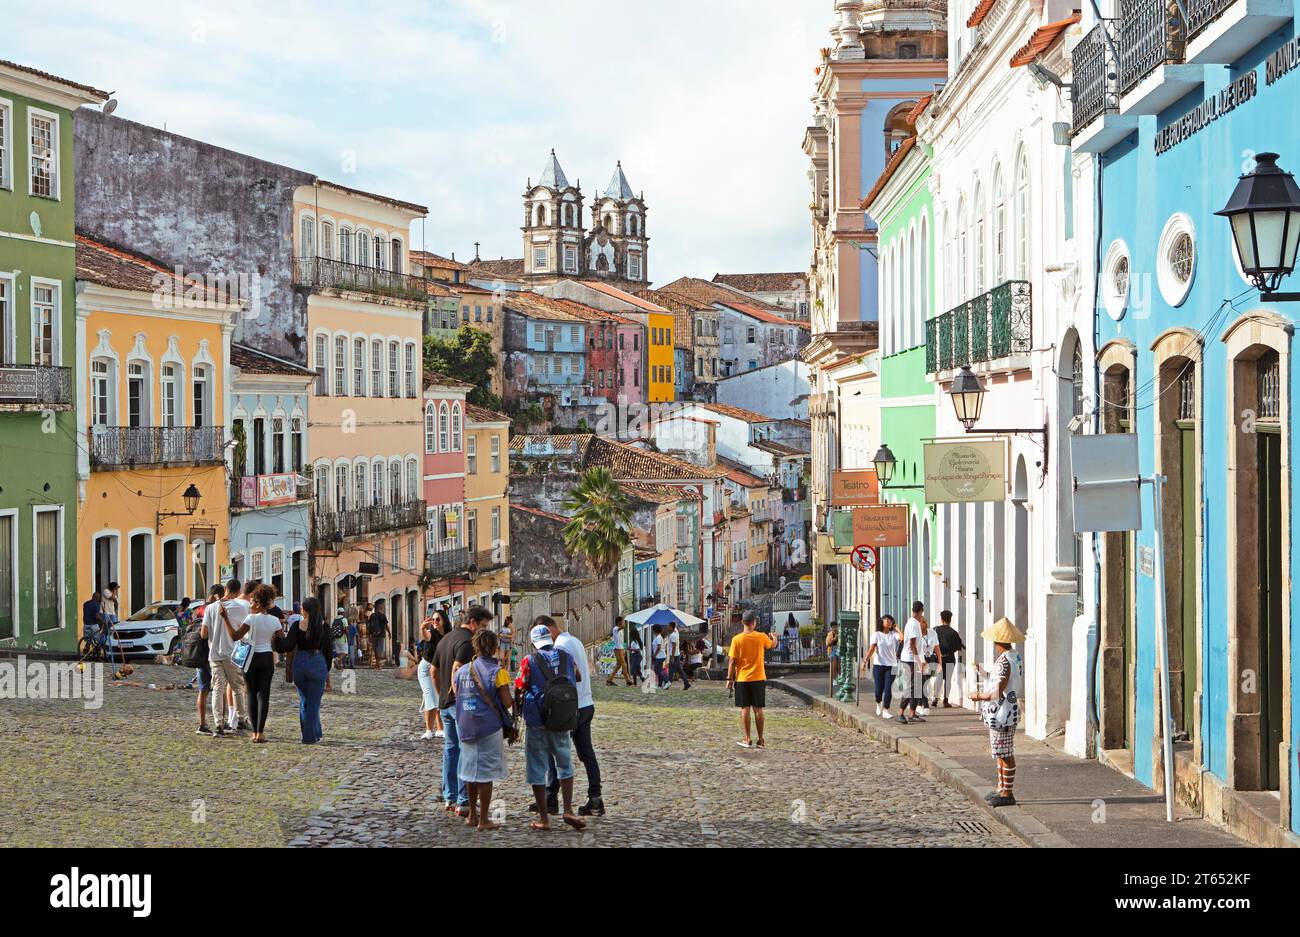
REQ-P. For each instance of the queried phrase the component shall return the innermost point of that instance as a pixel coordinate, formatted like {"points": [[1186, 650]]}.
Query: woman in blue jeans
{"points": [[310, 642], [882, 657]]}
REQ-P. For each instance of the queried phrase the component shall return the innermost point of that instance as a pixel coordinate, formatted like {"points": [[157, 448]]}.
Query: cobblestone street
{"points": [[133, 773]]}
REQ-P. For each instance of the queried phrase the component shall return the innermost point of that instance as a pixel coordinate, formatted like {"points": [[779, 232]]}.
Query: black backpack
{"points": [[194, 647], [559, 702]]}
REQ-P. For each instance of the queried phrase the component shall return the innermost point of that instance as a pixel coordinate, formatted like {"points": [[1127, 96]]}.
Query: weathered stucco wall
{"points": [[215, 212]]}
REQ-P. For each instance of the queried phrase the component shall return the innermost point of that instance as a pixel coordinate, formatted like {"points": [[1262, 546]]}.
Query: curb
{"points": [[933, 763]]}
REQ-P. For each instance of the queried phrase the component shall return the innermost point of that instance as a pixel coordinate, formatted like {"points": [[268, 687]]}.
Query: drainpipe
{"points": [[1094, 708]]}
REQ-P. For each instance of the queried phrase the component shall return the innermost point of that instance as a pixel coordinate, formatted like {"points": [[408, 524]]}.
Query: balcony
{"points": [[263, 491], [449, 562], [1219, 32], [491, 559], [329, 274], [119, 447], [360, 522], [794, 495], [28, 387], [1152, 38], [994, 327]]}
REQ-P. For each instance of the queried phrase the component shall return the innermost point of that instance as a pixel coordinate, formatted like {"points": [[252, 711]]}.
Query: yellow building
{"points": [[153, 357], [365, 316], [487, 502]]}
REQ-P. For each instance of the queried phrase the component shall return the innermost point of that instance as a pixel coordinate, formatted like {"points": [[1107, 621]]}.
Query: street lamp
{"points": [[191, 498], [967, 395], [885, 463], [1264, 212], [471, 574]]}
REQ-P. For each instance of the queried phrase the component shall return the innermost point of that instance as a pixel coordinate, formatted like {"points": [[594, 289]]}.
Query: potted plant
{"points": [[806, 633]]}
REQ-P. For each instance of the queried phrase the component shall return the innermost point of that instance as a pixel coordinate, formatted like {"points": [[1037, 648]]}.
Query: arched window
{"points": [[948, 282], [376, 368], [981, 245], [883, 291], [340, 366], [395, 482], [321, 365], [914, 286], [999, 230], [455, 427], [327, 239], [396, 265], [358, 367], [429, 428], [923, 263], [963, 255], [412, 481], [381, 252], [359, 474], [363, 248], [1022, 218], [345, 244], [377, 483], [444, 444]]}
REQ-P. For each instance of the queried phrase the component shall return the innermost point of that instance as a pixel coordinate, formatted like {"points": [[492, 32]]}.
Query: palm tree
{"points": [[600, 516]]}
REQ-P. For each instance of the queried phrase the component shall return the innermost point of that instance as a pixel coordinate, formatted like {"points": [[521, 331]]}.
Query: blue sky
{"points": [[455, 103]]}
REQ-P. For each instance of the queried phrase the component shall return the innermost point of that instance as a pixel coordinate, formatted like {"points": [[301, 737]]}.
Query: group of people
{"points": [[359, 632], [922, 659], [673, 654], [471, 703], [240, 632]]}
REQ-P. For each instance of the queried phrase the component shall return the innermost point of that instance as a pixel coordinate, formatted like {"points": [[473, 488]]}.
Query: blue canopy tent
{"points": [[645, 619]]}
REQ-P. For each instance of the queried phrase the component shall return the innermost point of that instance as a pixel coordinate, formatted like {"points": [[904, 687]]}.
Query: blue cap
{"points": [[541, 636]]}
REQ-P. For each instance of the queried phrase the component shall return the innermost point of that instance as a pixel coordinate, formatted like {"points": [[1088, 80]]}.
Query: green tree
{"points": [[469, 358], [600, 518]]}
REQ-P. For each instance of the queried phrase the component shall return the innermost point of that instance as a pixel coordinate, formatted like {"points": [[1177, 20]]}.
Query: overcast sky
{"points": [[454, 104]]}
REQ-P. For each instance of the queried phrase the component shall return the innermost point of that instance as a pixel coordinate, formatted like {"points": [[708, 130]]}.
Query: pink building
{"points": [[446, 556]]}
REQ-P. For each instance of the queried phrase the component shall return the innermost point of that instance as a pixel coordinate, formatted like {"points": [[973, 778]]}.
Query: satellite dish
{"points": [[35, 222], [109, 106]]}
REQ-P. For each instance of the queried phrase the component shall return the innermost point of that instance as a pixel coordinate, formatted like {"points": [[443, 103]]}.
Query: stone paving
{"points": [[133, 773]]}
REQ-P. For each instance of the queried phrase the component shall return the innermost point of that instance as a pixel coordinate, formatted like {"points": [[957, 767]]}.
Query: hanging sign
{"points": [[880, 525], [858, 486], [1104, 470], [963, 471]]}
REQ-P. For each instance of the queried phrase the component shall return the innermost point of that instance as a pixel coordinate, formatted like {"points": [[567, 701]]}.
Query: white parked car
{"points": [[149, 632]]}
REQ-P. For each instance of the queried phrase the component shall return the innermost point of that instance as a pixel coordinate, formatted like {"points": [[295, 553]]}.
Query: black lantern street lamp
{"points": [[884, 463], [191, 498], [967, 395], [1264, 211]]}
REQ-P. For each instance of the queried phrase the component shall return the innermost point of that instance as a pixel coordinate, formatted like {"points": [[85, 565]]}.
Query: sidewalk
{"points": [[1056, 793]]}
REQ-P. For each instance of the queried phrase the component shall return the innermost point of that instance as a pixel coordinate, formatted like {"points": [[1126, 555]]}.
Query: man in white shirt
{"points": [[620, 654], [581, 736], [220, 646], [933, 662], [675, 657], [912, 660]]}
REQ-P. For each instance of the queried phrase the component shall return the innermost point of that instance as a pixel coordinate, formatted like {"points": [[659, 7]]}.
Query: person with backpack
{"points": [[581, 736], [194, 653], [378, 623], [485, 722], [454, 650], [547, 692]]}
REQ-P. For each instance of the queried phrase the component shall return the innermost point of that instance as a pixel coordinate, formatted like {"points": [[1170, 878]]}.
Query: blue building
{"points": [[545, 349], [1192, 360], [270, 501], [645, 572]]}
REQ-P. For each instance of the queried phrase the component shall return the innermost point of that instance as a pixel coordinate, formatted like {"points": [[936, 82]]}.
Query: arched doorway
{"points": [[1178, 457], [1258, 347], [1117, 621]]}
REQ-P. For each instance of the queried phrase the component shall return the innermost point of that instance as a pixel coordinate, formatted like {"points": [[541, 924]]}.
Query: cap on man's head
{"points": [[541, 636]]}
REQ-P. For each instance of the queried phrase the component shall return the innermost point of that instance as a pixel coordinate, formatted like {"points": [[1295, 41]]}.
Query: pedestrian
{"points": [[581, 736], [94, 620], [506, 643], [659, 654], [222, 620], [454, 650], [634, 656], [109, 603], [747, 675], [263, 628], [538, 673], [431, 634], [696, 652], [912, 662], [363, 631], [339, 638], [789, 638], [1001, 709], [378, 625], [353, 635], [882, 657], [674, 640], [951, 647], [312, 652], [203, 673], [934, 661], [484, 721], [833, 649], [620, 653]]}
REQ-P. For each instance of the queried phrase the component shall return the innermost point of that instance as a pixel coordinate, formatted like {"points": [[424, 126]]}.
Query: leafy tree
{"points": [[469, 358], [600, 518]]}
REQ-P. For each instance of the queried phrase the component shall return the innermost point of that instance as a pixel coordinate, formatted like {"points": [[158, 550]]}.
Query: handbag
{"points": [[509, 729], [1001, 715], [242, 656]]}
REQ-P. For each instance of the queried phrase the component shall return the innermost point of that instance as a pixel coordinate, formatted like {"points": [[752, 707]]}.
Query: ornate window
{"points": [[1022, 218], [1176, 259]]}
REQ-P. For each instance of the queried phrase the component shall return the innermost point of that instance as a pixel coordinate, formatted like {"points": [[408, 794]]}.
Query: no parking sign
{"points": [[864, 558]]}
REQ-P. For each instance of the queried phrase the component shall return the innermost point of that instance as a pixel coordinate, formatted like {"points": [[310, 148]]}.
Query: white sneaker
{"points": [[923, 710], [428, 734], [878, 709], [440, 734], [886, 715]]}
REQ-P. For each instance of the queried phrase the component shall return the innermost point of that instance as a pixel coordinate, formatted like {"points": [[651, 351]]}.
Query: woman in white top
{"points": [[882, 656], [263, 628]]}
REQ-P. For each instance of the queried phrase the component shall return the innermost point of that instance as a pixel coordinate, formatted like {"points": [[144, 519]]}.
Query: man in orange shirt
{"points": [[746, 673]]}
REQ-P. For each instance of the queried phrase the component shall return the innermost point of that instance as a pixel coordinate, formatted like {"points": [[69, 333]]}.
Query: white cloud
{"points": [[454, 104]]}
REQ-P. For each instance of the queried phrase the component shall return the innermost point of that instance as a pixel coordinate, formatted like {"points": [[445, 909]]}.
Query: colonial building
{"points": [[787, 291], [39, 587], [446, 547], [487, 504]]}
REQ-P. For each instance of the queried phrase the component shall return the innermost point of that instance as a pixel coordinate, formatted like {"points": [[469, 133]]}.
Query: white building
{"points": [[780, 390]]}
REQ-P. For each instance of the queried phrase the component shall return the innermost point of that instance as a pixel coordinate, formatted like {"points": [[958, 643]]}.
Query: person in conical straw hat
{"points": [[1001, 709]]}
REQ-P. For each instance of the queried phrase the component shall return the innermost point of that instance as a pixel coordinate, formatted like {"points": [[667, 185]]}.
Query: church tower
{"points": [[617, 247], [552, 225]]}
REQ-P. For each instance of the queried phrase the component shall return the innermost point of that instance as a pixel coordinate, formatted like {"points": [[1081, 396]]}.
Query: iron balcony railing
{"points": [[121, 446], [997, 324], [327, 273], [357, 522], [449, 562], [36, 385], [1151, 34], [1095, 90], [1201, 13], [489, 559]]}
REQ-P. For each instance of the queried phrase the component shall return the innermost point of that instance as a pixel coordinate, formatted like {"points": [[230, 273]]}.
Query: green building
{"points": [[39, 592], [901, 205]]}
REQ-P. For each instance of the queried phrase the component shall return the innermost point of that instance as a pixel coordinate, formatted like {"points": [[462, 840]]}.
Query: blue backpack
{"points": [[559, 697]]}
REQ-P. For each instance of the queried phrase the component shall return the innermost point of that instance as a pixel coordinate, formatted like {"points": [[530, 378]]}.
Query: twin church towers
{"points": [[556, 244]]}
